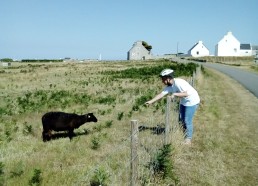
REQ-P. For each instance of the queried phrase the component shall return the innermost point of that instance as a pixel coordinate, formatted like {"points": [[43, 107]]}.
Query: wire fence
{"points": [[128, 164]]}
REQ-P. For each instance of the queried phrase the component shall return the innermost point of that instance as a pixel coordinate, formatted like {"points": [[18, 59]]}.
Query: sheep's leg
{"points": [[46, 135], [71, 134]]}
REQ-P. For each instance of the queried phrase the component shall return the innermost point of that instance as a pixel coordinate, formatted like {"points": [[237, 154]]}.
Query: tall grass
{"points": [[222, 153], [112, 91]]}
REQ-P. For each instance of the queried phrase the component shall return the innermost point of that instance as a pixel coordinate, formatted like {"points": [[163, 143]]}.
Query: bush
{"points": [[147, 72], [95, 143], [27, 129], [106, 100], [101, 177], [162, 164], [35, 101], [109, 123], [18, 171], [120, 116], [36, 178]]}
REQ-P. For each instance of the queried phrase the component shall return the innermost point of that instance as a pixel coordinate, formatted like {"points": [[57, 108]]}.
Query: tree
{"points": [[146, 45], [6, 60]]}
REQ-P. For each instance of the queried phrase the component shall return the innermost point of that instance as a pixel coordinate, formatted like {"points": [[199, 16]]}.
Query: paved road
{"points": [[248, 79]]}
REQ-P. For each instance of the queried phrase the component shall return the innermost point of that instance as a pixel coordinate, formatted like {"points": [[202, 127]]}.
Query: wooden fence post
{"points": [[134, 155], [193, 78], [167, 127]]}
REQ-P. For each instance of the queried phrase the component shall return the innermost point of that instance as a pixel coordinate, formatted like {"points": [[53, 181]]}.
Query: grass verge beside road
{"points": [[224, 150]]}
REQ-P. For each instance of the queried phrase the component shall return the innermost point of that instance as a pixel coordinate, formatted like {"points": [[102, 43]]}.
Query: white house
{"points": [[230, 46], [6, 64], [138, 52], [199, 50]]}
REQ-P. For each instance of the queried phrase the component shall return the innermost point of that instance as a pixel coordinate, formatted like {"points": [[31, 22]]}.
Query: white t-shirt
{"points": [[180, 85]]}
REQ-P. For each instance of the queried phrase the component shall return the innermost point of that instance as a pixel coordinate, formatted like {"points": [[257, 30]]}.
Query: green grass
{"points": [[222, 152], [255, 68], [28, 91]]}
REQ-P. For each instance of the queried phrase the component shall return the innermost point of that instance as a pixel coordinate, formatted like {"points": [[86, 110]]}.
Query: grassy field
{"points": [[225, 138]]}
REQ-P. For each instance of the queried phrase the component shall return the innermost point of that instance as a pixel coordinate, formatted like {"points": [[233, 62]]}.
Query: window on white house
{"points": [[197, 52]]}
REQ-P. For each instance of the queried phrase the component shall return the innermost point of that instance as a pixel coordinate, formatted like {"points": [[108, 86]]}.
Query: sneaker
{"points": [[187, 141]]}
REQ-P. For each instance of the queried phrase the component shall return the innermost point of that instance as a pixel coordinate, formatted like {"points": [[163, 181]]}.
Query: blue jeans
{"points": [[186, 114]]}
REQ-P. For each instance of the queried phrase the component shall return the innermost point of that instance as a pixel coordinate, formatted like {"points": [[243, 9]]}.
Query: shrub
{"points": [[27, 129], [120, 116], [8, 135], [106, 100], [149, 71], [101, 177], [95, 143], [109, 123], [35, 101], [36, 178], [19, 170], [162, 164], [98, 128]]}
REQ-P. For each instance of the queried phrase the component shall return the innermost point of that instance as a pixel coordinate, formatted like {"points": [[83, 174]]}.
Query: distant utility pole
{"points": [[177, 48]]}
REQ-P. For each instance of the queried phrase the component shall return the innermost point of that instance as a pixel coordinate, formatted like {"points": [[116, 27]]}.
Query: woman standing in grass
{"points": [[189, 100]]}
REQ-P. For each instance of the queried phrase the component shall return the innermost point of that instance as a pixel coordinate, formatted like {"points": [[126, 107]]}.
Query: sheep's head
{"points": [[91, 118]]}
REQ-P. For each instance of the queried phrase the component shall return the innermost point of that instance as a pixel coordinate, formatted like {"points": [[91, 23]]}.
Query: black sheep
{"points": [[61, 121]]}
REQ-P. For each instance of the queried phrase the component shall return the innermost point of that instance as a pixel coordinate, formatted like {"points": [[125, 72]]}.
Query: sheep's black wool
{"points": [[61, 121]]}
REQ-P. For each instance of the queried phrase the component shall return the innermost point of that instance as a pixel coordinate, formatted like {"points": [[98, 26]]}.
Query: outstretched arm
{"points": [[156, 98], [159, 96]]}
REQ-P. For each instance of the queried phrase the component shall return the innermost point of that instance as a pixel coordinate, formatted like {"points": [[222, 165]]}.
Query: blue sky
{"points": [[84, 29]]}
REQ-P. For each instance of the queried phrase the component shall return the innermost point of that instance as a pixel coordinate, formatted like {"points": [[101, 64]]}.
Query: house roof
{"points": [[229, 36], [137, 44], [199, 42], [245, 47], [193, 46]]}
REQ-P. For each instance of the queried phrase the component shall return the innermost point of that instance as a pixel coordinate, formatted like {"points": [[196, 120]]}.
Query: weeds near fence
{"points": [[162, 164]]}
